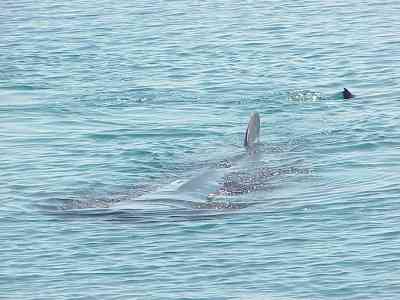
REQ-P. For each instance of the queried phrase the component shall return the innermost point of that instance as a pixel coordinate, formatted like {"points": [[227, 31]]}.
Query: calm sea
{"points": [[118, 118]]}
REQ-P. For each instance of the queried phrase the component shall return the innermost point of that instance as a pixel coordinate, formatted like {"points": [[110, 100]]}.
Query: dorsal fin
{"points": [[347, 94], [253, 131]]}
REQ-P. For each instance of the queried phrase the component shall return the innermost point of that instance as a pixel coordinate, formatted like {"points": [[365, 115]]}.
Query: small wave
{"points": [[304, 96]]}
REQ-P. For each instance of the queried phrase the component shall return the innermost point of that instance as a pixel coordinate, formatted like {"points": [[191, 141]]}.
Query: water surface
{"points": [[103, 102]]}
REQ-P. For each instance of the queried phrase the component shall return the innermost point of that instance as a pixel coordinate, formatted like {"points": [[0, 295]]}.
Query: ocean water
{"points": [[119, 119]]}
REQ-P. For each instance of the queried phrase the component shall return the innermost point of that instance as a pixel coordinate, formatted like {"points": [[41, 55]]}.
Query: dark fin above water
{"points": [[253, 131], [347, 94]]}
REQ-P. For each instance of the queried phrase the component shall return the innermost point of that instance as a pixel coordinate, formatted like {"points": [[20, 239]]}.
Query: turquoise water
{"points": [[106, 104]]}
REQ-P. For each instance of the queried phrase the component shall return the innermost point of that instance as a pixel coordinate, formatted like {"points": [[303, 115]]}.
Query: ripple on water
{"points": [[102, 103]]}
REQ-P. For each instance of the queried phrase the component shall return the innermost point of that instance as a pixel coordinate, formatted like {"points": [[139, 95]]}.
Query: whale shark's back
{"points": [[253, 131]]}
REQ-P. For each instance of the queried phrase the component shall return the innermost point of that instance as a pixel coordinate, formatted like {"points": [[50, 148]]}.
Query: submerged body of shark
{"points": [[211, 188], [217, 187]]}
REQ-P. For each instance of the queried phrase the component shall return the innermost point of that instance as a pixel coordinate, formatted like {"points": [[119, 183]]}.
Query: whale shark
{"points": [[222, 186], [211, 187]]}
